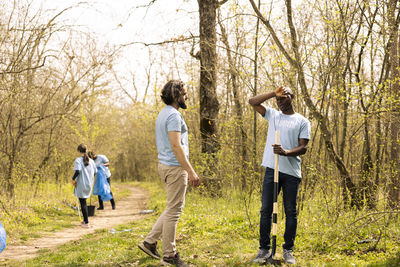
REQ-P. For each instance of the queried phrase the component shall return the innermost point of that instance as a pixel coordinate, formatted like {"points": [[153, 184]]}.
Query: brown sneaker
{"points": [[150, 249], [175, 260]]}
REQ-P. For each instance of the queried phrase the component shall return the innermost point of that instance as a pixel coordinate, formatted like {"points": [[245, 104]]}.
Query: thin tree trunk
{"points": [[367, 187], [238, 106], [379, 141], [255, 88]]}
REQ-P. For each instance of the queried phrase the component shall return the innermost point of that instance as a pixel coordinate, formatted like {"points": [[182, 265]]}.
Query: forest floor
{"points": [[211, 232], [127, 210]]}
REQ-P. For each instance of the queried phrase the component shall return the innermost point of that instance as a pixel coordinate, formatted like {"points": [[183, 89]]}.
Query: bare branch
{"points": [[220, 3], [197, 55], [27, 69], [148, 5], [373, 214], [174, 40], [273, 33], [123, 88]]}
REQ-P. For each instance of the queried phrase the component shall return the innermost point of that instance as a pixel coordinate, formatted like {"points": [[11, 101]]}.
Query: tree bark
{"points": [[209, 105], [394, 192]]}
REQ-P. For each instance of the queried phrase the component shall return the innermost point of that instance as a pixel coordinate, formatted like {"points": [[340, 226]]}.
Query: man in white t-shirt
{"points": [[295, 132]]}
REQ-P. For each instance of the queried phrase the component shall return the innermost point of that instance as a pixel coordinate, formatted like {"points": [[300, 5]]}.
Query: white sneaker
{"points": [[262, 255], [85, 225], [288, 256]]}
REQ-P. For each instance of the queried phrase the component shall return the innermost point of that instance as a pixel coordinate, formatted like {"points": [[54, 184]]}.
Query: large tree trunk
{"points": [[394, 192], [209, 105]]}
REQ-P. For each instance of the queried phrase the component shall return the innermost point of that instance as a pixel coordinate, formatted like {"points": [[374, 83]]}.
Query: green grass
{"points": [[218, 232], [50, 212]]}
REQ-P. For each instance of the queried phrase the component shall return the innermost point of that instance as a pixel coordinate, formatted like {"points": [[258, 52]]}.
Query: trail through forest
{"points": [[127, 210]]}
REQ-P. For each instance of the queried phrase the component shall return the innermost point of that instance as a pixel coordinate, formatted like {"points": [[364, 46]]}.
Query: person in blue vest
{"points": [[102, 160], [83, 179], [295, 132]]}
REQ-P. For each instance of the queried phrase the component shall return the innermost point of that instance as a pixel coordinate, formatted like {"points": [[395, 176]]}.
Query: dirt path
{"points": [[127, 210]]}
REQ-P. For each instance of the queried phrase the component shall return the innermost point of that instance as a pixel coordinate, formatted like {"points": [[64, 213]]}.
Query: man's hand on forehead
{"points": [[284, 92], [287, 91]]}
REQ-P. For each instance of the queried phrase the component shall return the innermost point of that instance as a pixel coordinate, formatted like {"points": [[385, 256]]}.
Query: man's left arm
{"points": [[297, 151]]}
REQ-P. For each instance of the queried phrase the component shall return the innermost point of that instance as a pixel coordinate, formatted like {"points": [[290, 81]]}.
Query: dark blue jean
{"points": [[290, 186], [84, 209], [112, 201]]}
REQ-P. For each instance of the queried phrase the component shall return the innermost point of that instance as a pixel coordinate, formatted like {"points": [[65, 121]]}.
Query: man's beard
{"points": [[182, 104]]}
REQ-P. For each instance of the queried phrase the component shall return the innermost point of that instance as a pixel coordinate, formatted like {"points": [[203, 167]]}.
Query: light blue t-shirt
{"points": [[170, 120], [84, 181], [100, 161], [291, 129]]}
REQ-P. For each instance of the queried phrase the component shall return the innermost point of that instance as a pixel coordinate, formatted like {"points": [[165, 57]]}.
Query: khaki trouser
{"points": [[175, 179]]}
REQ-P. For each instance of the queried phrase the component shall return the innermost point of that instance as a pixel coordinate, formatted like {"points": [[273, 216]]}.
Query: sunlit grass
{"points": [[51, 210], [218, 232]]}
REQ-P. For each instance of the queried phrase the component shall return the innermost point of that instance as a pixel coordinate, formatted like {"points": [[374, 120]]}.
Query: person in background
{"points": [[83, 178], [102, 160], [295, 132], [175, 171]]}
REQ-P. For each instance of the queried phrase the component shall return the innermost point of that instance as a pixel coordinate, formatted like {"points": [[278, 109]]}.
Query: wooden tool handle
{"points": [[275, 198], [276, 168]]}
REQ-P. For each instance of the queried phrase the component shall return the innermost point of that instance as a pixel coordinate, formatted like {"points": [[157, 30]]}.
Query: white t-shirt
{"points": [[84, 181], [100, 161], [291, 129]]}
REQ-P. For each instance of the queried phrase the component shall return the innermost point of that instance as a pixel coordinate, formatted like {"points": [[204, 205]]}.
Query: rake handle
{"points": [[77, 205]]}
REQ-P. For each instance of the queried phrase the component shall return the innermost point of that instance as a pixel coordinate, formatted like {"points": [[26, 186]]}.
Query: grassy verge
{"points": [[219, 232], [52, 210]]}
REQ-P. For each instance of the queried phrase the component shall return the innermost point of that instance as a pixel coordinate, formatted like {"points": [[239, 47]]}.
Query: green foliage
{"points": [[135, 153]]}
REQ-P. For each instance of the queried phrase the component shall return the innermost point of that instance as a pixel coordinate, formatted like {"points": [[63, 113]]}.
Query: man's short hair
{"points": [[289, 92], [171, 91]]}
